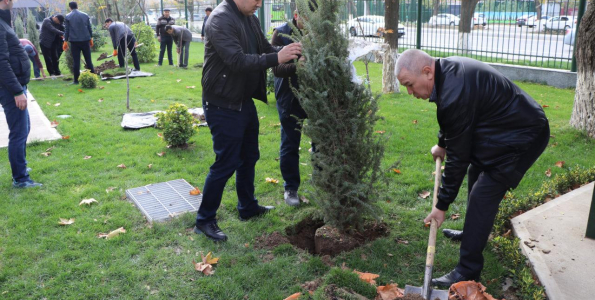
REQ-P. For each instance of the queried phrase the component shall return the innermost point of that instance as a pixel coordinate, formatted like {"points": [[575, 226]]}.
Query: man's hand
{"points": [[159, 38], [436, 214], [438, 151], [289, 52], [21, 101], [42, 72], [91, 43], [115, 52], [65, 46]]}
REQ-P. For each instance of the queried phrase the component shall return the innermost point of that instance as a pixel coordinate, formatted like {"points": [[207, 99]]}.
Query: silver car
{"points": [[569, 36]]}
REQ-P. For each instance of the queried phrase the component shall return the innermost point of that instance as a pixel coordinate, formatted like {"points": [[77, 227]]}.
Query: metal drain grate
{"points": [[162, 201]]}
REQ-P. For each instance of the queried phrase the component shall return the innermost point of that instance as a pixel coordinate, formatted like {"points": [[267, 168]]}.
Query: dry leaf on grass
{"points": [[87, 157], [112, 233], [195, 192], [560, 164], [380, 131], [545, 105], [294, 296], [190, 86], [160, 154], [87, 201], [272, 180], [101, 87], [304, 199], [389, 292], [414, 122], [455, 216], [66, 137], [46, 154], [367, 277], [149, 166], [100, 100], [209, 259], [109, 189], [397, 171], [206, 265], [548, 173], [178, 80], [424, 194], [54, 124], [122, 166], [66, 221], [60, 95], [48, 103], [468, 290]]}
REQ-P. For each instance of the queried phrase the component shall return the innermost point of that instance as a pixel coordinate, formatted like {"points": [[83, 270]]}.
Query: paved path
{"points": [[558, 227], [41, 129]]}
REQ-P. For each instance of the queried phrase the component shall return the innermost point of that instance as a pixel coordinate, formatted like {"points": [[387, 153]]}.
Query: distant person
{"points": [[182, 37], [208, 11], [57, 46], [165, 38], [50, 31], [79, 33], [14, 77], [34, 57], [121, 34]]}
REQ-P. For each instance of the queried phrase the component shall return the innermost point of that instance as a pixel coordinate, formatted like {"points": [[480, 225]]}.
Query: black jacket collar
{"points": [[437, 82], [5, 15]]}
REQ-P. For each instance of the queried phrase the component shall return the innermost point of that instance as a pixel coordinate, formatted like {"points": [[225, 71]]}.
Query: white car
{"points": [[559, 23], [370, 26], [479, 19], [444, 19]]}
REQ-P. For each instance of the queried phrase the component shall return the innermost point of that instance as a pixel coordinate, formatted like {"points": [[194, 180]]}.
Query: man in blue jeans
{"points": [[16, 71], [237, 55], [79, 33]]}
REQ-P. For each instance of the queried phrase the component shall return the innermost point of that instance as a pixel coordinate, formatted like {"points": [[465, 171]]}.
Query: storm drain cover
{"points": [[165, 200]]}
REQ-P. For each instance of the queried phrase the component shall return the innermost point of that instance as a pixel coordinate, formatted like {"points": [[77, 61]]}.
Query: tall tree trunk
{"points": [[117, 10], [467, 10], [390, 84], [538, 8], [583, 112], [436, 7], [191, 9]]}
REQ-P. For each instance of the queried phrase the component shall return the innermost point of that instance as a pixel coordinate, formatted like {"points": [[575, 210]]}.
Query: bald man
{"points": [[490, 130]]}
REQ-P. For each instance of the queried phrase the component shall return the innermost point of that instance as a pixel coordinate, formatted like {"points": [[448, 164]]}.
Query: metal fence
{"points": [[527, 32]]}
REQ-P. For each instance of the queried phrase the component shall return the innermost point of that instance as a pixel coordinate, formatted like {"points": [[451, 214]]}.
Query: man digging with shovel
{"points": [[490, 129], [122, 38]]}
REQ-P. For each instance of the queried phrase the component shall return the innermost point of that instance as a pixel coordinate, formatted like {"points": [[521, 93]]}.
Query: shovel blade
{"points": [[434, 294]]}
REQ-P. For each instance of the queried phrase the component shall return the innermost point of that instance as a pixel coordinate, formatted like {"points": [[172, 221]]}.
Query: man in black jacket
{"points": [[79, 33], [489, 128], [16, 71], [237, 55], [165, 38], [208, 11], [47, 37]]}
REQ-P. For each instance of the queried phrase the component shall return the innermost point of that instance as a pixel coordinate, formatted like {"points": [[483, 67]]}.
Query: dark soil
{"points": [[413, 297], [108, 65], [312, 236], [270, 241], [102, 56]]}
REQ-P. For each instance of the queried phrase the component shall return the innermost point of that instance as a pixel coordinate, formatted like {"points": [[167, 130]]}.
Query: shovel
{"points": [[111, 55], [426, 291]]}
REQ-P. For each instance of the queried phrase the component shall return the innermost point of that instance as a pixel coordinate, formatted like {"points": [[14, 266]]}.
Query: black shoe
{"points": [[26, 184], [451, 278], [74, 83], [454, 235], [211, 230], [261, 210], [291, 198]]}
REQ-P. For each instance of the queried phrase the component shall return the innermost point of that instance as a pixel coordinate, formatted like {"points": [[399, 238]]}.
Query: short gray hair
{"points": [[413, 60]]}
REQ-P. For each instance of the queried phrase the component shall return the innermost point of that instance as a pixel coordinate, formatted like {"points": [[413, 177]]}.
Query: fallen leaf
{"points": [[160, 154], [469, 290], [209, 259], [149, 166], [122, 166], [160, 135], [48, 103], [548, 173], [190, 86], [455, 216], [108, 82], [112, 234], [246, 245], [179, 80], [87, 201], [414, 122], [109, 189], [152, 101], [54, 124], [560, 164], [294, 296], [263, 117], [545, 106], [46, 154], [100, 100], [66, 137], [81, 91], [66, 221], [397, 171], [424, 194], [380, 131], [195, 191], [506, 234], [390, 254], [50, 149], [101, 87], [304, 199], [60, 95], [427, 224], [206, 269], [367, 277], [272, 180], [389, 292], [87, 157]]}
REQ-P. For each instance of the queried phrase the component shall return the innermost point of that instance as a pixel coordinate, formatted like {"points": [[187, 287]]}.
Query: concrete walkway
{"points": [[41, 130], [553, 238]]}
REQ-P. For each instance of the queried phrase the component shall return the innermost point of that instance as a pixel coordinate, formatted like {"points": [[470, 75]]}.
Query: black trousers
{"points": [[166, 42], [76, 48], [485, 195], [50, 56], [131, 41]]}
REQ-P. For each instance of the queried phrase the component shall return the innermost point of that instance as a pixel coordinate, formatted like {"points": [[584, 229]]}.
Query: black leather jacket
{"points": [[485, 120], [15, 68], [226, 62]]}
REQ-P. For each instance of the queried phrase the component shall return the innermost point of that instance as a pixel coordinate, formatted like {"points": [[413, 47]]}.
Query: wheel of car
{"points": [[530, 26], [352, 31], [566, 27], [452, 24]]}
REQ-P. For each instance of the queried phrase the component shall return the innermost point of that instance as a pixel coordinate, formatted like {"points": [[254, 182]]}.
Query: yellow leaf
{"points": [[112, 234], [66, 137], [190, 86], [272, 180], [548, 173], [367, 277], [206, 269], [87, 201], [294, 296], [179, 80], [195, 192], [389, 292], [209, 259], [66, 221], [397, 171], [560, 164]]}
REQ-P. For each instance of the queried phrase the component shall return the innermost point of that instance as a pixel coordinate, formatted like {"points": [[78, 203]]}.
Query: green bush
{"points": [[145, 35], [19, 28], [88, 80], [32, 32], [177, 124], [99, 38], [67, 60]]}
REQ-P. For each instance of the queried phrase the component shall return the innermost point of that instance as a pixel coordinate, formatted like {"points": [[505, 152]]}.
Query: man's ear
{"points": [[427, 71]]}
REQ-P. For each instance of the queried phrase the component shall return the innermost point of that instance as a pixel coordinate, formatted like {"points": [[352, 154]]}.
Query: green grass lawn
{"points": [[41, 259]]}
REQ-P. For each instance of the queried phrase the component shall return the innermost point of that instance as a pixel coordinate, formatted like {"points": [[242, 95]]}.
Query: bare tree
{"points": [[465, 23], [436, 7], [390, 84], [583, 112], [538, 8]]}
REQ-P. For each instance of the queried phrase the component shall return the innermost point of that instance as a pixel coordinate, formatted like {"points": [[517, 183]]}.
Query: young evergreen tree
{"points": [[32, 32], [19, 29], [341, 119]]}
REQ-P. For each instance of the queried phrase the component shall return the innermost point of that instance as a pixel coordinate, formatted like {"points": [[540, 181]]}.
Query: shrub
{"points": [[99, 38], [32, 32], [88, 80], [67, 60], [176, 122], [145, 35], [19, 28]]}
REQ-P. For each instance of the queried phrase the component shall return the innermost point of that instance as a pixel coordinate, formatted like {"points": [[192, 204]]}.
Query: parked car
{"points": [[522, 21], [444, 19], [559, 23], [569, 36], [370, 26], [480, 19]]}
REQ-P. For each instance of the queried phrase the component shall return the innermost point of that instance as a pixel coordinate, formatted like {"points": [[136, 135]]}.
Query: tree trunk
{"points": [[117, 10], [191, 9], [583, 112], [390, 84], [436, 7], [538, 8], [467, 10]]}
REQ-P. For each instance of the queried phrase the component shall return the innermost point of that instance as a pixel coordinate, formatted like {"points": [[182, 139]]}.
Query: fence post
{"points": [[581, 11], [591, 221], [162, 7], [186, 12], [418, 27]]}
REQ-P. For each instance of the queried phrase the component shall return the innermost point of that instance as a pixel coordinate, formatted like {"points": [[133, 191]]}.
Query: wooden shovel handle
{"points": [[434, 224]]}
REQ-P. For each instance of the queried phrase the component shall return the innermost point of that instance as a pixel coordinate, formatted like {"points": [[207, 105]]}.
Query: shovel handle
{"points": [[434, 224]]}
